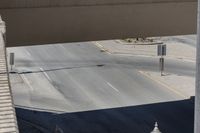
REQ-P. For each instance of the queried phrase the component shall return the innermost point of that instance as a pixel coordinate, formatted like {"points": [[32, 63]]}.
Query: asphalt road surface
{"points": [[77, 77]]}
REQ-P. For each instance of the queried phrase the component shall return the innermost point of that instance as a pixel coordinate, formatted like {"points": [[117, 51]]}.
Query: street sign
{"points": [[161, 50], [12, 59], [164, 50], [12, 56]]}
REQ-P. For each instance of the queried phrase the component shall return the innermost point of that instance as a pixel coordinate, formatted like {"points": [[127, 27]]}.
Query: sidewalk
{"points": [[175, 50]]}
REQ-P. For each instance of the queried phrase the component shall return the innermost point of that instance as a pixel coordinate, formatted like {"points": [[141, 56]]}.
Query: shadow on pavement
{"points": [[172, 117]]}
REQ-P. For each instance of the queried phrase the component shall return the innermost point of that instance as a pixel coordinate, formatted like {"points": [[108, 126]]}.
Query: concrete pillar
{"points": [[197, 97]]}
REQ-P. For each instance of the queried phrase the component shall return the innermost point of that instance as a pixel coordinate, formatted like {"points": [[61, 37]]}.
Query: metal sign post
{"points": [[162, 65], [161, 51], [12, 60]]}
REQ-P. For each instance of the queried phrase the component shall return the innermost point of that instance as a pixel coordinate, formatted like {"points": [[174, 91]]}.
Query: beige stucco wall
{"points": [[69, 23]]}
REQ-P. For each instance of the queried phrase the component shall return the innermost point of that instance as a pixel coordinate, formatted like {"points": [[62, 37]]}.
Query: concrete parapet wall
{"points": [[8, 123], [60, 3]]}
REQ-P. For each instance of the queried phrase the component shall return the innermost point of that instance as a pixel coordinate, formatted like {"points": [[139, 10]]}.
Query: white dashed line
{"points": [[45, 74], [112, 87]]}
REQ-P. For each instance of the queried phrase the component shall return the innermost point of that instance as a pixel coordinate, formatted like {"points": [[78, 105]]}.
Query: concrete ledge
{"points": [[8, 121], [6, 4]]}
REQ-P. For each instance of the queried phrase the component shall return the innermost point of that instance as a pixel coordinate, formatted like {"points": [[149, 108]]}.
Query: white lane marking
{"points": [[98, 44], [26, 81], [45, 74], [112, 87], [101, 47]]}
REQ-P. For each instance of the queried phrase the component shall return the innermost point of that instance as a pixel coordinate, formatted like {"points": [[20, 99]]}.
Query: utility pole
{"points": [[197, 91]]}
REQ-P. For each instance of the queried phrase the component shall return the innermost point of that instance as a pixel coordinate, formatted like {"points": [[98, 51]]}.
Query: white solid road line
{"points": [[164, 84], [112, 87], [45, 74]]}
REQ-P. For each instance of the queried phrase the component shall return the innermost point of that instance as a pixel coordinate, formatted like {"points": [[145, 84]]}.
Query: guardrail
{"points": [[8, 122]]}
